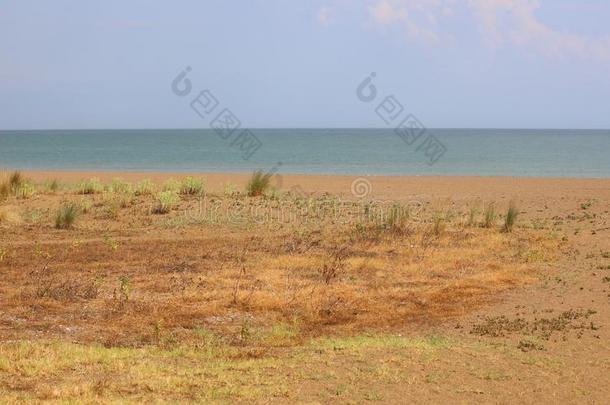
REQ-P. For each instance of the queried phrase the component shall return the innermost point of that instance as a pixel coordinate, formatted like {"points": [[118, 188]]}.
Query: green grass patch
{"points": [[258, 184]]}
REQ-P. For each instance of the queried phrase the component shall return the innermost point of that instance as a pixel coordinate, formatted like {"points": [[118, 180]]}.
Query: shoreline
{"points": [[170, 173]]}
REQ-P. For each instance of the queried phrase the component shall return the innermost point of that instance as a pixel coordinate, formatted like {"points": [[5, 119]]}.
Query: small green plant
{"points": [[245, 334], [85, 206], [166, 200], [24, 191], [125, 200], [91, 186], [230, 190], [144, 187], [120, 186], [113, 209], [115, 201], [113, 244], [124, 288], [438, 226], [489, 215], [275, 194], [397, 218], [511, 217], [191, 186], [258, 183], [53, 185], [172, 185], [33, 215], [66, 215], [472, 216]]}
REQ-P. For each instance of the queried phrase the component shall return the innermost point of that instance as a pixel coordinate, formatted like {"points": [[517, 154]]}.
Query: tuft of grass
{"points": [[85, 206], [166, 200], [24, 191], [397, 218], [113, 209], [230, 190], [66, 215], [120, 186], [191, 186], [15, 185], [489, 215], [258, 184], [91, 186], [16, 180], [511, 217], [144, 187], [172, 185], [438, 227], [53, 185], [472, 216]]}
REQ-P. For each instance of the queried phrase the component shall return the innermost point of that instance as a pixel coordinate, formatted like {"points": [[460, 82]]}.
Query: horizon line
{"points": [[303, 128]]}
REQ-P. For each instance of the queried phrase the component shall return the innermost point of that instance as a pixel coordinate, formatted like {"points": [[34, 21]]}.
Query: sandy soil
{"points": [[547, 340]]}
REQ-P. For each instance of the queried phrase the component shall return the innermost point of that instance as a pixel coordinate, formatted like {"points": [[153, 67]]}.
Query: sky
{"points": [[290, 63]]}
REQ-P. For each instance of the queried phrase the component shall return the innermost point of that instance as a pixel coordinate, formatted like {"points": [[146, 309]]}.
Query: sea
{"points": [[447, 152]]}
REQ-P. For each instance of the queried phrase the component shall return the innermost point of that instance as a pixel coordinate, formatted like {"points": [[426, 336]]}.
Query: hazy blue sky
{"points": [[274, 63]]}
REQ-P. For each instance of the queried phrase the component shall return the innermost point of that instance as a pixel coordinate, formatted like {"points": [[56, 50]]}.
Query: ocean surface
{"points": [[480, 152]]}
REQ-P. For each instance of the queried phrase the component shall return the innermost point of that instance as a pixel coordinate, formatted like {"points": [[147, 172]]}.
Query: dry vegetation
{"points": [[167, 267]]}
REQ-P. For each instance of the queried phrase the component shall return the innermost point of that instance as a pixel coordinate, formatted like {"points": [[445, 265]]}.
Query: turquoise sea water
{"points": [[483, 152]]}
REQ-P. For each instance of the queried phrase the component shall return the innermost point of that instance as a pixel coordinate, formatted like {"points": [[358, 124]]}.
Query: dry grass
{"points": [[511, 217], [66, 215], [14, 184], [238, 262], [226, 280], [209, 371], [9, 215]]}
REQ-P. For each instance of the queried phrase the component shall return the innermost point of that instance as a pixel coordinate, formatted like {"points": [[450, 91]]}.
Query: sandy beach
{"points": [[391, 187], [119, 266]]}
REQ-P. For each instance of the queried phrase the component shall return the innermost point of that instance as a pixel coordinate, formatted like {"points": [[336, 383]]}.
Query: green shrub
{"points": [[125, 200], [258, 183], [91, 186], [113, 209], [53, 185], [66, 216], [144, 187], [230, 190], [120, 186], [397, 217], [490, 215], [171, 185], [511, 217], [472, 216], [85, 206], [24, 191], [191, 186], [166, 200]]}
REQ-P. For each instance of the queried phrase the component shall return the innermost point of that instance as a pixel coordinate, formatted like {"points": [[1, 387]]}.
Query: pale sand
{"points": [[386, 187]]}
